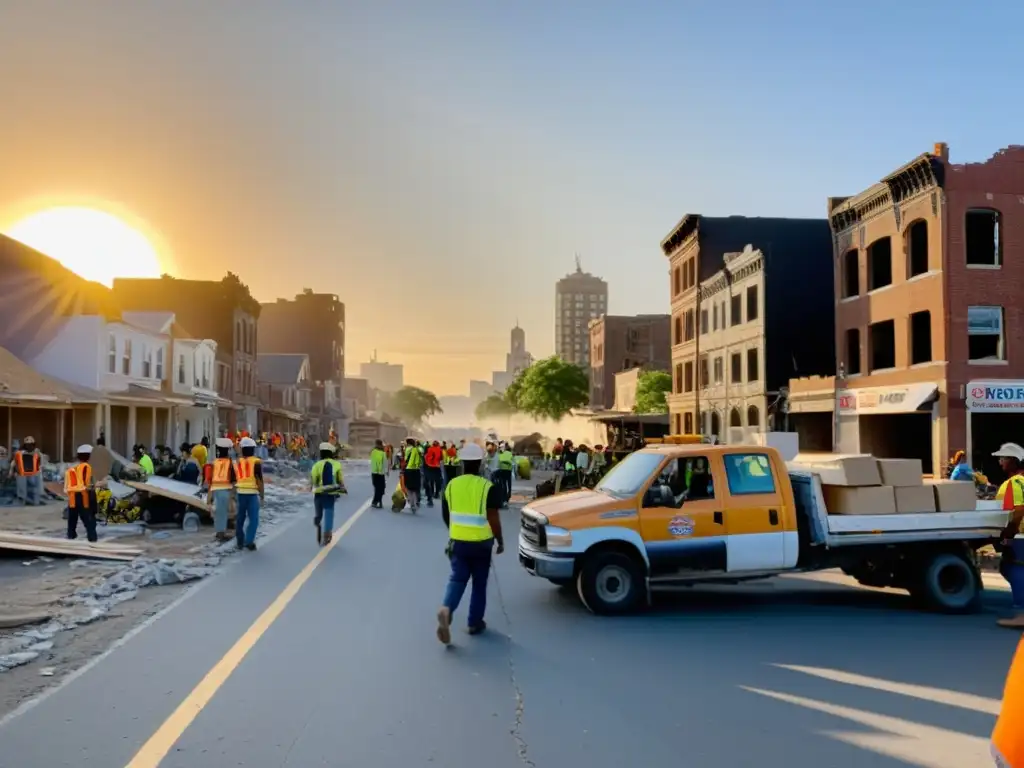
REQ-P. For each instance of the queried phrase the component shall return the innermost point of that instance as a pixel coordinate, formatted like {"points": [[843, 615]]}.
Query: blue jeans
{"points": [[247, 518], [323, 509], [221, 506], [470, 560], [1012, 569]]}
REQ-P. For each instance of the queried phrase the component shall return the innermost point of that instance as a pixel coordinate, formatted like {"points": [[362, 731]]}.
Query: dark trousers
{"points": [[433, 483], [503, 478], [471, 560], [379, 486], [84, 508]]}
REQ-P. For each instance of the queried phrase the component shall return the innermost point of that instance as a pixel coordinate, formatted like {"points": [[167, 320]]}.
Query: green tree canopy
{"points": [[494, 406], [413, 404], [651, 388], [549, 389]]}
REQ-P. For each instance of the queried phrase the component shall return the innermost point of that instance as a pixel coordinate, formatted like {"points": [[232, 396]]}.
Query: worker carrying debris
{"points": [[249, 489], [80, 489], [219, 479], [328, 483], [28, 473]]}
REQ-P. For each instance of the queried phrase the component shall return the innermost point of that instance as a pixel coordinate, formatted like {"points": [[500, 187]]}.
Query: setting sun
{"points": [[96, 245]]}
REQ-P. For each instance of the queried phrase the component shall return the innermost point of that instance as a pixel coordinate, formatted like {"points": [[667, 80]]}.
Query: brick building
{"points": [[751, 304], [621, 342], [223, 310], [929, 271], [579, 298]]}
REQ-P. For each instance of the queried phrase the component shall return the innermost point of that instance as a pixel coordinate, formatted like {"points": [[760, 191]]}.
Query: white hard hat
{"points": [[471, 452], [326, 446], [248, 442], [1010, 451], [84, 449], [223, 442]]}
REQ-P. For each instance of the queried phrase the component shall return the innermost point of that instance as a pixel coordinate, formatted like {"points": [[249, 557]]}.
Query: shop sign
{"points": [[885, 399], [1004, 396]]}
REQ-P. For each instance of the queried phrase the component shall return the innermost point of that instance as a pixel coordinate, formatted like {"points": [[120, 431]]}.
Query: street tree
{"points": [[413, 404], [651, 388], [493, 407], [549, 389]]}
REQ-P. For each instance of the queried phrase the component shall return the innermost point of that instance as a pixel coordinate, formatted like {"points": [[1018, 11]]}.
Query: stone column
{"points": [[131, 429]]}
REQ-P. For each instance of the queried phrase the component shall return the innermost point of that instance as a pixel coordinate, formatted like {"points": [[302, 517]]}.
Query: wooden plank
{"points": [[66, 551], [15, 538], [154, 490]]}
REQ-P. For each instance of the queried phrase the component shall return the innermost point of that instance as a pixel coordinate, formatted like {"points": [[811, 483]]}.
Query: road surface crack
{"points": [[520, 699]]}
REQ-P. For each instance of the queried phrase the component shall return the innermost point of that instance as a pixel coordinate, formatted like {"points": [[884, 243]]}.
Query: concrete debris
{"points": [[47, 671]]}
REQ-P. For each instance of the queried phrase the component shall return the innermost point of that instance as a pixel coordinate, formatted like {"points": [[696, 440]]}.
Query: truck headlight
{"points": [[557, 537]]}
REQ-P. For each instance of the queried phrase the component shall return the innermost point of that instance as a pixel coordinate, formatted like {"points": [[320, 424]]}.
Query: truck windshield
{"points": [[628, 476]]}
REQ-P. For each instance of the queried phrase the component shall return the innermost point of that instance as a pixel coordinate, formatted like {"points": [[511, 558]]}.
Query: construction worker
{"points": [[81, 492], [249, 494], [219, 479], [451, 465], [1011, 494], [143, 460], [505, 461], [1008, 735], [328, 484], [378, 473], [28, 479], [432, 471], [411, 473], [470, 510]]}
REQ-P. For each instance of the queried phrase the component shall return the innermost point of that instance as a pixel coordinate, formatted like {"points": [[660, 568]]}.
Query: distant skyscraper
{"points": [[386, 377], [579, 298], [518, 358]]}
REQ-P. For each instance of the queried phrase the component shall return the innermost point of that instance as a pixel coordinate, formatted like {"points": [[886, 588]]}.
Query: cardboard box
{"points": [[954, 495], [841, 470], [863, 500], [914, 498], [901, 472]]}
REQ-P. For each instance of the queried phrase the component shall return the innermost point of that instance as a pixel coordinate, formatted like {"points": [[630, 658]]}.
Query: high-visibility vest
{"points": [[451, 457], [245, 474], [317, 476], [505, 460], [467, 508], [1008, 736], [378, 461], [76, 483], [220, 477], [413, 458], [33, 463]]}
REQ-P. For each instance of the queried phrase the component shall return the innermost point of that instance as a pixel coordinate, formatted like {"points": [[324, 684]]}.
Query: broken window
{"points": [[880, 264], [882, 345], [920, 337], [917, 248], [852, 351], [985, 338], [981, 236], [851, 273]]}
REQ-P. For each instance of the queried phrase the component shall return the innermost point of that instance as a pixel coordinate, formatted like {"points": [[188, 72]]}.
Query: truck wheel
{"points": [[949, 584], [610, 583]]}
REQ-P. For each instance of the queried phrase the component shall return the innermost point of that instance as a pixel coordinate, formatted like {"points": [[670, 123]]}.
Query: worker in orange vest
{"points": [[80, 489], [27, 465], [1008, 735], [219, 480]]}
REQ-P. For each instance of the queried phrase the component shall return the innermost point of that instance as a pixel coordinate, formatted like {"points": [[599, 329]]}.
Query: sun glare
{"points": [[96, 245]]}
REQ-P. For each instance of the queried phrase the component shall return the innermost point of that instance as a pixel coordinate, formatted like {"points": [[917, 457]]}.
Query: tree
{"points": [[549, 389], [494, 406], [651, 388], [413, 404]]}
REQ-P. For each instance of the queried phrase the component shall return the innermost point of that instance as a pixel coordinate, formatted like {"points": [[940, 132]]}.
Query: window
{"points": [[688, 326], [704, 373], [982, 238], [126, 359], [677, 283], [736, 366], [920, 337], [688, 478], [753, 373], [985, 340], [749, 473], [687, 423], [880, 264], [626, 478], [703, 321], [111, 354], [917, 248], [239, 335], [736, 310], [718, 369], [851, 273], [852, 351], [714, 317], [147, 363], [181, 369], [160, 363], [882, 345], [752, 308], [677, 330], [753, 416], [734, 418], [688, 377]]}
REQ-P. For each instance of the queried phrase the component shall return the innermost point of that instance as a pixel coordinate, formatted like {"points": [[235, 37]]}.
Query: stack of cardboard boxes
{"points": [[864, 485]]}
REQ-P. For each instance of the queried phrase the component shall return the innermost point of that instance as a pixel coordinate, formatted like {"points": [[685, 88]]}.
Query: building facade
{"points": [[763, 311], [579, 298], [384, 377], [285, 387], [620, 342]]}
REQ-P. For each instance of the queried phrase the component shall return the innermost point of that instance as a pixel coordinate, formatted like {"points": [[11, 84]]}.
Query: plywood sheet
{"points": [[162, 489]]}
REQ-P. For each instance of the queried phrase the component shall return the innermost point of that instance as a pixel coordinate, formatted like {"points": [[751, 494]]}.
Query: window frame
{"points": [[731, 462]]}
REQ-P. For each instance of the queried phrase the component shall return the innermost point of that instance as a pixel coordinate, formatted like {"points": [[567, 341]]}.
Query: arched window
{"points": [[915, 244], [734, 418], [753, 416], [716, 425]]}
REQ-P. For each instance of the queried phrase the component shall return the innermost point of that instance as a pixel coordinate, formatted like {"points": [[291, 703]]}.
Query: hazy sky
{"points": [[446, 159]]}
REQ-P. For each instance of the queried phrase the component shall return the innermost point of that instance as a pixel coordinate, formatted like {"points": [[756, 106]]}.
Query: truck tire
{"points": [[610, 583], [949, 583]]}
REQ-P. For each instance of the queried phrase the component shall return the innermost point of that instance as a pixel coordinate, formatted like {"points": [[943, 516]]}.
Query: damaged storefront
{"points": [[995, 415], [900, 421]]}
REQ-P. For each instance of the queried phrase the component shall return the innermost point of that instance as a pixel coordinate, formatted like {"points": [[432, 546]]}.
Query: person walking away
{"points": [[411, 473], [451, 465], [1011, 493], [28, 477], [250, 493], [505, 462], [328, 483], [378, 470], [1008, 735], [470, 510], [81, 493], [219, 479], [432, 461]]}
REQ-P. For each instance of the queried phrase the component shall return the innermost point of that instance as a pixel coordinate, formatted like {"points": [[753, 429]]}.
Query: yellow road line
{"points": [[160, 743]]}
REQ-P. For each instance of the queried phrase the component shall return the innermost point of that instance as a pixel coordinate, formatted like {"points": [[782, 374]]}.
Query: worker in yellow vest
{"points": [[249, 490], [1011, 494], [378, 473], [219, 479], [411, 473], [470, 510], [504, 474], [328, 484], [81, 493]]}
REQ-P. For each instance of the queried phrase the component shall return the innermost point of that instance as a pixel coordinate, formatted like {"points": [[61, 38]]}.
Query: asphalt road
{"points": [[793, 672]]}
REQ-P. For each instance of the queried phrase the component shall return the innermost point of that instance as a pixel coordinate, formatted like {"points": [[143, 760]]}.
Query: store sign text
{"points": [[995, 396]]}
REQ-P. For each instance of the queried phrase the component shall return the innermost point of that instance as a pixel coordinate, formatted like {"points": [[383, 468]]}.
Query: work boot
{"points": [[1013, 622], [319, 531], [476, 629], [328, 535], [251, 547], [444, 625]]}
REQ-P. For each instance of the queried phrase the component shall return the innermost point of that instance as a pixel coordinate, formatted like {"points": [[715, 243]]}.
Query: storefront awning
{"points": [[867, 401]]}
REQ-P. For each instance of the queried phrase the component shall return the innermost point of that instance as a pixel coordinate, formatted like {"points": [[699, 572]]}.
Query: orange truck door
{"points": [[683, 520], [756, 526]]}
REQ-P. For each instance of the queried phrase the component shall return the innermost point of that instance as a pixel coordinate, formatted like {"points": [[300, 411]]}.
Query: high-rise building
{"points": [[284, 328], [385, 377], [579, 298], [518, 358]]}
